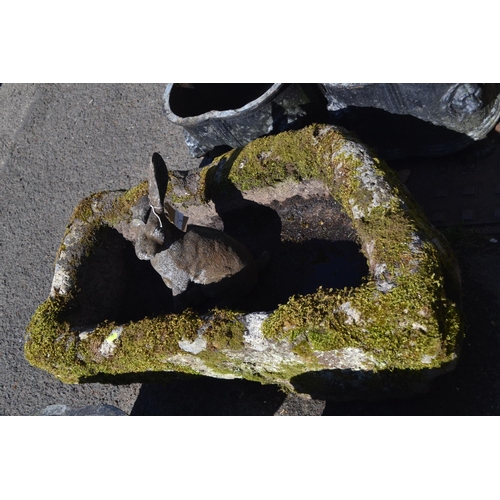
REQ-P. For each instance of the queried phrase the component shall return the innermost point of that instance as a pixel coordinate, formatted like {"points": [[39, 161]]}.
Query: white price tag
{"points": [[175, 217]]}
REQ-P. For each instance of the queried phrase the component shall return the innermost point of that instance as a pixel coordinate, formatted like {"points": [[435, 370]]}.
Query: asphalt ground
{"points": [[62, 142], [58, 144]]}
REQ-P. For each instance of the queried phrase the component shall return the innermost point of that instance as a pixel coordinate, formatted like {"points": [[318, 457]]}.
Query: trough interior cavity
{"points": [[310, 242], [113, 284], [201, 98]]}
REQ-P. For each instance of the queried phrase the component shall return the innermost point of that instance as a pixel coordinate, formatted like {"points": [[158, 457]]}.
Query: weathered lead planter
{"points": [[386, 328]]}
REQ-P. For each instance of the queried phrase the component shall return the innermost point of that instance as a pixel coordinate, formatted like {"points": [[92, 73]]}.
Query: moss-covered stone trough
{"points": [[360, 298]]}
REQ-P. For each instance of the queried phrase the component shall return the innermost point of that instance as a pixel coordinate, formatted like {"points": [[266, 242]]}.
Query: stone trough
{"points": [[360, 298]]}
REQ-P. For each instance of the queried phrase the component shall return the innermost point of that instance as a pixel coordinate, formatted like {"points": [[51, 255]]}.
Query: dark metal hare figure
{"points": [[222, 266]]}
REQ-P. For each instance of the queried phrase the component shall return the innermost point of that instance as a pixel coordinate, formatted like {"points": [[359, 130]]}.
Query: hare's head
{"points": [[149, 236], [148, 225]]}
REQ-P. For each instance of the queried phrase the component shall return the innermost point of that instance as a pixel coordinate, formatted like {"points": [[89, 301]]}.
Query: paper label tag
{"points": [[178, 219]]}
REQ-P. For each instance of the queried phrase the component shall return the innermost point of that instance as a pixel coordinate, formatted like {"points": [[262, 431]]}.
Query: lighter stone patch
{"points": [[61, 282], [253, 331], [419, 326], [371, 182], [272, 360], [416, 244], [352, 358], [202, 277], [382, 283], [85, 334], [374, 183], [426, 359], [195, 347], [353, 315], [108, 346], [288, 189], [197, 365], [74, 234], [357, 213], [267, 355]]}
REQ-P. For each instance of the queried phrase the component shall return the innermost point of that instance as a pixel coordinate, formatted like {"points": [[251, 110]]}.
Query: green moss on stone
{"points": [[265, 162], [145, 345], [51, 345], [224, 331], [120, 209], [140, 346]]}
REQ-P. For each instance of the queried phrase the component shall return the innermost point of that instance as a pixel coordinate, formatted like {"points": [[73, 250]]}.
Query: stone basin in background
{"points": [[360, 298]]}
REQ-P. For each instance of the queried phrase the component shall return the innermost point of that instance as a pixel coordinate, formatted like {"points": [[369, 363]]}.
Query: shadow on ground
{"points": [[206, 396]]}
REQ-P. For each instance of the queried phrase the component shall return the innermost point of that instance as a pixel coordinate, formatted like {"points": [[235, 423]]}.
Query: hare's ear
{"points": [[158, 182]]}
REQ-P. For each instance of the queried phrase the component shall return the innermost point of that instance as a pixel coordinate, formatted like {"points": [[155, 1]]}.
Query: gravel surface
{"points": [[62, 142]]}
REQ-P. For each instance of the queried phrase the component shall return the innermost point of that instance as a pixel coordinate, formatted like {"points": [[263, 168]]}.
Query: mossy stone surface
{"points": [[392, 332]]}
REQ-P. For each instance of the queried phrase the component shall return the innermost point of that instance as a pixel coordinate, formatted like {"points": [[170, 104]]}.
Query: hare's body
{"points": [[207, 257], [216, 263]]}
